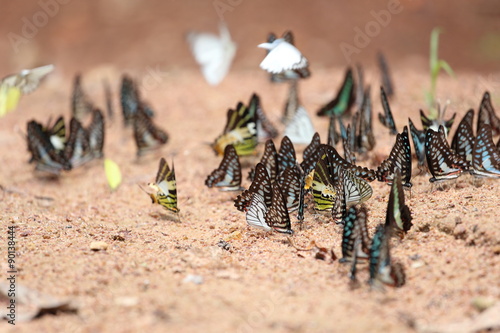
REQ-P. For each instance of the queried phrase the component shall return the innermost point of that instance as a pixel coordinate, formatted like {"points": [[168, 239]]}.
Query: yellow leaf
{"points": [[113, 174]]}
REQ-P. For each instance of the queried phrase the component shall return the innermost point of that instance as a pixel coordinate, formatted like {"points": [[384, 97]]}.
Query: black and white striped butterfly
{"points": [[81, 105], [463, 139], [290, 182], [273, 217], [487, 115], [130, 101], [77, 150], [355, 239], [311, 154], [442, 161], [385, 74], [365, 137], [270, 160], [333, 135], [286, 155], [382, 270], [398, 216], [348, 144], [358, 171], [386, 119], [418, 138], [260, 185], [147, 135], [399, 159], [485, 155], [96, 134], [227, 177], [265, 129], [42, 151]]}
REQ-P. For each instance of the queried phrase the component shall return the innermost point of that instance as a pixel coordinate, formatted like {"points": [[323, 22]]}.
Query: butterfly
{"points": [[311, 154], [282, 56], [81, 105], [347, 144], [360, 87], [487, 115], [434, 124], [213, 53], [43, 152], [265, 129], [77, 150], [260, 185], [333, 136], [165, 187], [355, 239], [22, 83], [356, 190], [289, 75], [292, 104], [228, 175], [358, 171], [443, 163], [96, 134], [344, 99], [485, 156], [398, 215], [269, 160], [290, 182], [273, 217], [300, 129], [463, 140], [286, 155], [418, 138], [130, 101], [387, 119], [399, 159], [109, 99], [365, 138], [56, 133], [327, 191], [240, 131], [147, 135], [382, 270], [384, 72]]}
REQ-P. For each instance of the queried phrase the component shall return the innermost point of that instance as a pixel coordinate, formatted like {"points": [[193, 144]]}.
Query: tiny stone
{"points": [[460, 232], [98, 246], [482, 303], [196, 279]]}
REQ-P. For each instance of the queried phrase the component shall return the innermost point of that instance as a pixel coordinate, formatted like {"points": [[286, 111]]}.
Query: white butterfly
{"points": [[300, 130], [213, 53], [282, 56], [15, 85]]}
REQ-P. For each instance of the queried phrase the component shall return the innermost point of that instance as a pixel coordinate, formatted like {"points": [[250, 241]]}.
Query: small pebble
{"points": [[98, 246], [482, 303], [196, 279]]}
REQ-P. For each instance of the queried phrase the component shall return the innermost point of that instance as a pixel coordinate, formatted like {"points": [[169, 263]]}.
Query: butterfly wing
{"points": [[277, 214], [228, 174], [300, 130], [284, 56], [256, 212]]}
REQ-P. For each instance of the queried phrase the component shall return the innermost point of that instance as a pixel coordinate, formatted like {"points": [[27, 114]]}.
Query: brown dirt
{"points": [[262, 284]]}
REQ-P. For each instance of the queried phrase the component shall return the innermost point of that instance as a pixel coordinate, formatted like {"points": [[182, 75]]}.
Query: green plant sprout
{"points": [[436, 65]]}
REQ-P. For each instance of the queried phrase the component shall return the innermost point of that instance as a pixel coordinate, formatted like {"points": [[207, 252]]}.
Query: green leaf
{"points": [[444, 65], [113, 173]]}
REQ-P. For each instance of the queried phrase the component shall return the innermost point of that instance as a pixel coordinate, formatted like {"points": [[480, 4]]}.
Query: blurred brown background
{"points": [[79, 35]]}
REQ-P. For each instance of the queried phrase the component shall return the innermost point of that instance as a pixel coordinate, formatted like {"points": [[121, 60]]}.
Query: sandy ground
{"points": [[262, 283]]}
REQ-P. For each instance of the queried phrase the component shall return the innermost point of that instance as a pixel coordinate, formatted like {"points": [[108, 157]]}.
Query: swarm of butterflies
{"points": [[336, 184]]}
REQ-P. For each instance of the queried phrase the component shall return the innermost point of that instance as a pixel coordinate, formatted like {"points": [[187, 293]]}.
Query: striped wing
{"points": [[167, 186], [57, 134], [336, 160], [260, 185], [356, 190], [355, 239], [77, 150], [463, 140], [398, 216], [487, 115], [385, 74], [485, 156], [344, 99], [290, 184], [347, 144], [333, 136], [286, 155], [418, 138], [228, 174], [323, 187], [96, 134], [277, 214], [147, 135], [256, 212], [265, 129], [387, 119], [81, 105], [399, 159], [270, 159], [365, 137], [311, 154]]}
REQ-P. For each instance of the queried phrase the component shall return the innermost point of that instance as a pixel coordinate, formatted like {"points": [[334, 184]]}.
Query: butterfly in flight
{"points": [[147, 135], [485, 155], [398, 215], [43, 153], [387, 119], [282, 56], [344, 99], [273, 217], [81, 105], [12, 87], [487, 115], [213, 53], [261, 185], [240, 131], [418, 138], [382, 270], [399, 159], [463, 139], [227, 177], [442, 161], [165, 187], [355, 239]]}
